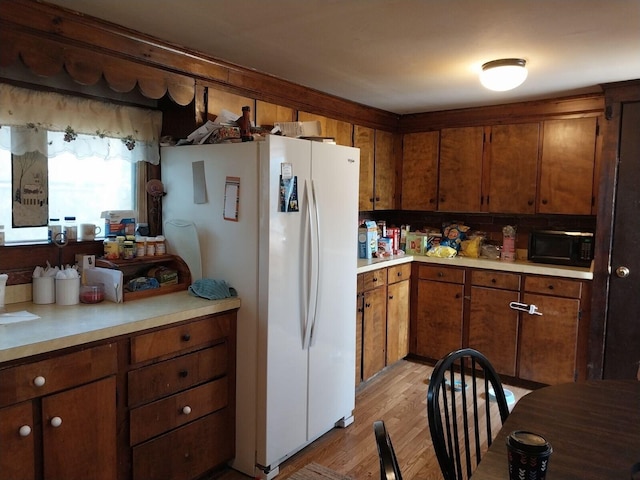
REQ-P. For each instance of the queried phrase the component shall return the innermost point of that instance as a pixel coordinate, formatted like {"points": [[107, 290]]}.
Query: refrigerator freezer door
{"points": [[283, 270]]}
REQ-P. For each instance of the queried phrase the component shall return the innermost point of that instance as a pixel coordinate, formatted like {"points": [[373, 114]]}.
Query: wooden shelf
{"points": [[137, 267]]}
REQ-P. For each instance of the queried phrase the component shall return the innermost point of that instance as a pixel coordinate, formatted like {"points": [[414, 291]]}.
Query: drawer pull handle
{"points": [[186, 409], [25, 431], [39, 381], [183, 373], [441, 274], [56, 422], [186, 337], [493, 280], [399, 274]]}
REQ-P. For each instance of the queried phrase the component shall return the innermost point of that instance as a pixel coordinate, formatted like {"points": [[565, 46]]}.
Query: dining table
{"points": [[592, 426]]}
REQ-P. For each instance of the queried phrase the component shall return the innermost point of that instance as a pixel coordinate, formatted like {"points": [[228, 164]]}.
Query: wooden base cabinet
{"points": [[374, 322], [550, 343], [440, 309], [398, 292], [493, 325], [58, 417], [181, 395]]}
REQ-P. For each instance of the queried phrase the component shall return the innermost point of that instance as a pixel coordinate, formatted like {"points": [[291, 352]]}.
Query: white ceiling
{"points": [[403, 56]]}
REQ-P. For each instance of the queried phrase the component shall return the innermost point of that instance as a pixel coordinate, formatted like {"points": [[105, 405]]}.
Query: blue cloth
{"points": [[212, 289]]}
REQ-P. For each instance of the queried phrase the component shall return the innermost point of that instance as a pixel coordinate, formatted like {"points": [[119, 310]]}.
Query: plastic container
{"points": [[111, 249], [161, 248], [141, 246], [92, 293], [67, 291], [43, 290], [55, 229], [151, 247], [70, 229], [129, 250]]}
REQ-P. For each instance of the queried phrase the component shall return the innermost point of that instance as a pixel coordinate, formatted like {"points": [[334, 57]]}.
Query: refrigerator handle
{"points": [[310, 279], [316, 265]]}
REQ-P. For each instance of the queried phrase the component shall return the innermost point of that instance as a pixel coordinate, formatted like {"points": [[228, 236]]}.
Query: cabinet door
{"points": [[493, 327], [439, 318], [374, 331], [397, 321], [363, 138], [420, 171], [460, 178], [513, 170], [385, 171], [548, 342], [17, 461], [330, 127], [567, 166], [83, 445]]}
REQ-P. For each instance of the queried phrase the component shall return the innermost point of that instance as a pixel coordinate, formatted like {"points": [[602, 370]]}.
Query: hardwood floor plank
{"points": [[397, 395]]}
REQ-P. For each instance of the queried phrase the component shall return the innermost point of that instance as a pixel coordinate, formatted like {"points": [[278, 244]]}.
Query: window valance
{"points": [[83, 126]]}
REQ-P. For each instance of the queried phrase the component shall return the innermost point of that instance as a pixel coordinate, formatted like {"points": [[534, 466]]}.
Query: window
{"points": [[79, 187], [79, 155]]}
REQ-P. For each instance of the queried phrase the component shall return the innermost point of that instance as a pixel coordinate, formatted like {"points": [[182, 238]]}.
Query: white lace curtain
{"points": [[82, 126]]}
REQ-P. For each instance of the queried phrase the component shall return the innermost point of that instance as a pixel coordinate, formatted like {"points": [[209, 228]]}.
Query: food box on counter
{"points": [[385, 247], [417, 243], [367, 239], [119, 222]]}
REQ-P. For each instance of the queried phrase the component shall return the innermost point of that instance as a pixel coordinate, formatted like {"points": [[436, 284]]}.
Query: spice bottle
{"points": [[245, 125], [55, 229], [160, 245]]}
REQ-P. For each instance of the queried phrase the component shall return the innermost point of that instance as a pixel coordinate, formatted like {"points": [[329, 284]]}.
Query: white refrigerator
{"points": [[278, 221]]}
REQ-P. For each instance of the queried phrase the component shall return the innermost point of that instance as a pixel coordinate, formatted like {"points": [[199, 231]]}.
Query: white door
{"points": [[335, 174]]}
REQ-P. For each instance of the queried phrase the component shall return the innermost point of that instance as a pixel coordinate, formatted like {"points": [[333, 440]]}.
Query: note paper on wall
{"points": [[231, 198]]}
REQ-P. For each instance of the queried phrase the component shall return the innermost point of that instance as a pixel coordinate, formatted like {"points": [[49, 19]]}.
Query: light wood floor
{"points": [[397, 395]]}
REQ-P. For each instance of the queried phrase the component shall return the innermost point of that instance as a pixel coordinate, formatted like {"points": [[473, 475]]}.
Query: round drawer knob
{"points": [[183, 373], [186, 409], [186, 337], [25, 431], [39, 381], [56, 422]]}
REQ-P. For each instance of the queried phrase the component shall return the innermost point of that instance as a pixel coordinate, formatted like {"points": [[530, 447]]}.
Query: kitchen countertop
{"points": [[519, 266], [66, 326]]}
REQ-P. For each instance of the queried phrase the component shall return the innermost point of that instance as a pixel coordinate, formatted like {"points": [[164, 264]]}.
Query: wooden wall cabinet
{"points": [[548, 167], [460, 177], [439, 311], [377, 168], [65, 404], [567, 166], [420, 171]]}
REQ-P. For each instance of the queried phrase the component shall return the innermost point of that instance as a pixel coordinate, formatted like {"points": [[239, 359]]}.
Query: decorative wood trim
{"points": [[48, 38], [523, 112]]}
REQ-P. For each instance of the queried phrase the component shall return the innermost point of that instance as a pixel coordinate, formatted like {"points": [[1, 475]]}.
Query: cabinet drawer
{"points": [[159, 417], [374, 279], [553, 286], [174, 339], [171, 376], [441, 274], [493, 279], [58, 373], [399, 273], [187, 452]]}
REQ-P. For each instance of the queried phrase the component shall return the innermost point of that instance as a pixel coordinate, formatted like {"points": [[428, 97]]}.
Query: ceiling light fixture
{"points": [[504, 74]]}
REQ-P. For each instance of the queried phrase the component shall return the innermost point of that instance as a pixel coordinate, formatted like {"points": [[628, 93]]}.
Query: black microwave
{"points": [[561, 248]]}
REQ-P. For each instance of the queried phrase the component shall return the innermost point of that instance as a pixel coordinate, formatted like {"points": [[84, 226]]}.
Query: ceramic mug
{"points": [[88, 231]]}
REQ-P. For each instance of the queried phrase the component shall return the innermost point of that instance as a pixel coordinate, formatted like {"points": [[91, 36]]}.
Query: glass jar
{"points": [[55, 229], [70, 229]]}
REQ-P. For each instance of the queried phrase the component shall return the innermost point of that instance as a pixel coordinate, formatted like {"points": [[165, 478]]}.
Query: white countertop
{"points": [[519, 266], [65, 326]]}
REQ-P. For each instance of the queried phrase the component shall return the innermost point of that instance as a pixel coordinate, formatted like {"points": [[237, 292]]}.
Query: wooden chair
{"points": [[389, 468], [462, 421]]}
